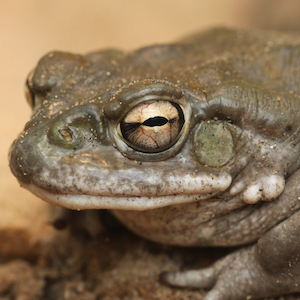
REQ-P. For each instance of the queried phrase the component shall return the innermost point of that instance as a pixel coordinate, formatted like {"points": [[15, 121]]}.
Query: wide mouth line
{"points": [[84, 201]]}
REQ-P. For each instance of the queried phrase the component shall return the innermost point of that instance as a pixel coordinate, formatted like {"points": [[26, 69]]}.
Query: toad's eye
{"points": [[152, 126]]}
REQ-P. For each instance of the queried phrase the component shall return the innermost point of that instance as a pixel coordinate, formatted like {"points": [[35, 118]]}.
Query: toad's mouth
{"points": [[79, 201]]}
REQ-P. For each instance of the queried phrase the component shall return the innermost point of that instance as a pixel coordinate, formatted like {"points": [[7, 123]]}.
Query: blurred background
{"points": [[29, 29]]}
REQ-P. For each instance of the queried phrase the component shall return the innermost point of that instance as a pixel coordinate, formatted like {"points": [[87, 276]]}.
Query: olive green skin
{"points": [[237, 85]]}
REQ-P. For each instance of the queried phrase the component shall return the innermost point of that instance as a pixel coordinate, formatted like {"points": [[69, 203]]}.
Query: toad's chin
{"points": [[84, 201]]}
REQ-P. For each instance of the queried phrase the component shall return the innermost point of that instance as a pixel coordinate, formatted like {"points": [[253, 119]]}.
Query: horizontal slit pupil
{"points": [[155, 121]]}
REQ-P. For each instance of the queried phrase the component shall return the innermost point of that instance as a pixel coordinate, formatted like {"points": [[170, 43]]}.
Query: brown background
{"points": [[29, 29]]}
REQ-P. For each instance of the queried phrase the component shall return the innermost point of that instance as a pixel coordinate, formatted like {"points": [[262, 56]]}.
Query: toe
{"points": [[273, 186], [204, 278]]}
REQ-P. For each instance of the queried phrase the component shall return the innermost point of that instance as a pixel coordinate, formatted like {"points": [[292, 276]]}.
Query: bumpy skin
{"points": [[229, 177]]}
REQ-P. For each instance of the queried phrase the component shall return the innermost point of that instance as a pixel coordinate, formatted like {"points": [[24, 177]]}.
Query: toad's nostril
{"points": [[66, 134], [77, 128]]}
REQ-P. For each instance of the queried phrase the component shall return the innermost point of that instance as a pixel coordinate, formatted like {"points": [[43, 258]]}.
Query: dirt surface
{"points": [[114, 264], [111, 265], [38, 261]]}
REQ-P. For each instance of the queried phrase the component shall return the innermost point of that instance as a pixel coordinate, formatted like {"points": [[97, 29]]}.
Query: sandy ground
{"points": [[37, 261]]}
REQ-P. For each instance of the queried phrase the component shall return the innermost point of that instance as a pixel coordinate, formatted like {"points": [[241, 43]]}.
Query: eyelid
{"points": [[132, 94], [29, 95]]}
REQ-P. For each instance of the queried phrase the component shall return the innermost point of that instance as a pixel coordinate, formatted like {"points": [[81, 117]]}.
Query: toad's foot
{"points": [[235, 277], [252, 190], [268, 268]]}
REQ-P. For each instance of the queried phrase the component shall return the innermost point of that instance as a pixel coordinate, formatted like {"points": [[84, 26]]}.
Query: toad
{"points": [[194, 143]]}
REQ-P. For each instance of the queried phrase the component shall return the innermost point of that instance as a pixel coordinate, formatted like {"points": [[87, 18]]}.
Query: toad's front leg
{"points": [[271, 267]]}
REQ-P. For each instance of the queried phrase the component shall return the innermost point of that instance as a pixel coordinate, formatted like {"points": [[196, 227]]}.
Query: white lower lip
{"points": [[81, 202]]}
